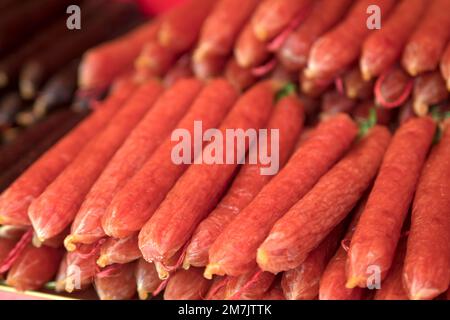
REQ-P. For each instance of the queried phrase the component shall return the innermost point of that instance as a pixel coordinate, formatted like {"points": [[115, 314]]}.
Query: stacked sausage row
{"points": [[112, 181], [318, 43], [133, 220]]}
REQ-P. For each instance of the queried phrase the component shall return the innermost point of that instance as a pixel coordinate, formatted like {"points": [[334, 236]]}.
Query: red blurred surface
{"points": [[152, 7]]}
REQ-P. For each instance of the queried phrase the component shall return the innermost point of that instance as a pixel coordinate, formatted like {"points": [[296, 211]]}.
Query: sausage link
{"points": [[309, 221], [119, 285], [147, 280], [119, 251], [180, 70], [249, 51], [302, 283], [378, 230], [154, 60], [392, 287], [426, 273], [429, 89], [187, 285], [355, 86], [234, 251], [250, 286], [221, 28], [81, 267], [34, 267], [333, 102], [6, 245], [240, 78], [393, 88], [181, 26], [208, 67], [272, 16], [427, 44], [332, 282], [362, 111]]}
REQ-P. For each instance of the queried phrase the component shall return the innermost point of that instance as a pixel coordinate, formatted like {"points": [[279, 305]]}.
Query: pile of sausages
{"points": [[39, 55], [360, 208]]}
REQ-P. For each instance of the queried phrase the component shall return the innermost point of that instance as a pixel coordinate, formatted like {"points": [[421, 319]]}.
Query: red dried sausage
{"points": [[333, 102], [302, 283], [221, 28], [429, 89], [154, 60], [119, 251], [314, 87], [272, 16], [250, 286], [392, 287], [137, 148], [309, 221], [378, 229], [288, 118], [187, 285], [147, 279], [324, 14], [383, 47], [425, 47], [57, 206], [355, 86], [197, 192], [141, 196], [210, 66], [6, 245], [393, 88], [81, 266], [182, 69], [241, 78], [14, 202], [249, 51], [34, 267], [332, 282], [181, 26], [426, 273], [362, 112], [102, 64], [234, 251], [274, 294], [119, 284], [337, 49]]}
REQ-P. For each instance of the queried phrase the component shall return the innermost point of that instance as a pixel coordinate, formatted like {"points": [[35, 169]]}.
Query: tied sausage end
{"points": [[355, 281], [213, 269], [69, 243]]}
